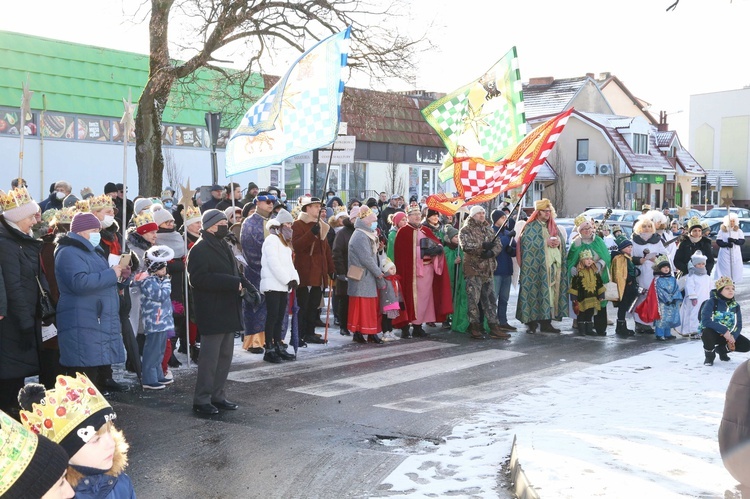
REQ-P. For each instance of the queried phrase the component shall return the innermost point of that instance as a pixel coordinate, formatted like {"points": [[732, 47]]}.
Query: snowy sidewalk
{"points": [[635, 428]]}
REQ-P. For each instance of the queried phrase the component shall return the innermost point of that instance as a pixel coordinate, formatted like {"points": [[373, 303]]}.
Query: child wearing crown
{"points": [[586, 292], [697, 290], [75, 415], [157, 314], [721, 323], [669, 296]]}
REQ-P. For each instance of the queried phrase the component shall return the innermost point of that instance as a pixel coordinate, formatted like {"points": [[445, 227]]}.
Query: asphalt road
{"points": [[338, 420]]}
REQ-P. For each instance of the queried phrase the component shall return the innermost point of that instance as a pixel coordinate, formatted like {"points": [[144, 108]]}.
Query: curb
{"points": [[521, 486]]}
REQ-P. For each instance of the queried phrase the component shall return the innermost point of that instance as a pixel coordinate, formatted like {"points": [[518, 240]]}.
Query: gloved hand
{"points": [[511, 234], [487, 254], [292, 284], [342, 278], [315, 229], [738, 241], [487, 245], [438, 250]]}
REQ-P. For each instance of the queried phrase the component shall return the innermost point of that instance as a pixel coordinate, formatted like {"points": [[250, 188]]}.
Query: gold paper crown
{"points": [[722, 282], [64, 408], [192, 212], [364, 212], [694, 222], [15, 198], [144, 219], [17, 449], [101, 202], [49, 215], [646, 207], [579, 220], [82, 206], [585, 254], [660, 261], [65, 215]]}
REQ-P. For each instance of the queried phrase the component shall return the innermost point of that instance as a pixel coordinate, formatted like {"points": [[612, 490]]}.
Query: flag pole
{"points": [[520, 198], [41, 146], [25, 108], [127, 124], [187, 298]]}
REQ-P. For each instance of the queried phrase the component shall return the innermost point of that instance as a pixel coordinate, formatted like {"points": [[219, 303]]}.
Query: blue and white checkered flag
{"points": [[301, 112]]}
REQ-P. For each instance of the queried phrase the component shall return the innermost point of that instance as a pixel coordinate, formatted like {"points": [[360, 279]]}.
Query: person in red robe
{"points": [[421, 264]]}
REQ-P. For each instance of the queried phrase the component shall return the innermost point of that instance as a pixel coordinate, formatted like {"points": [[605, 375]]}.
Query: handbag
{"points": [[46, 308], [611, 292], [355, 273]]}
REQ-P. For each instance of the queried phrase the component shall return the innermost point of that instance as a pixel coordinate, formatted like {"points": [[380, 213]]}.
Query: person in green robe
{"points": [[543, 279], [586, 239]]}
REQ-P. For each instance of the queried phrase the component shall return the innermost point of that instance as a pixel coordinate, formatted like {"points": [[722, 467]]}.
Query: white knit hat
{"points": [[161, 215], [476, 209]]}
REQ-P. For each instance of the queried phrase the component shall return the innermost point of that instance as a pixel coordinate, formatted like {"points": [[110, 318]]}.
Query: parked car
{"points": [[568, 224], [617, 215], [744, 226], [719, 213], [673, 212]]}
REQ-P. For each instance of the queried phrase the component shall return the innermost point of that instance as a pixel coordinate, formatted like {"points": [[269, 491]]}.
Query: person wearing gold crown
{"points": [[31, 466], [543, 281], [721, 323], [88, 320], [76, 415], [20, 324]]}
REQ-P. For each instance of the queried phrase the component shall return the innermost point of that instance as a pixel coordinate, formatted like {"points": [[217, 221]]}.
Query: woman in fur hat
{"points": [[730, 240]]}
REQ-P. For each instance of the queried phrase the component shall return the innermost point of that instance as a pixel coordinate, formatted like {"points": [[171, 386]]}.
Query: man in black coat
{"points": [[692, 242], [217, 286]]}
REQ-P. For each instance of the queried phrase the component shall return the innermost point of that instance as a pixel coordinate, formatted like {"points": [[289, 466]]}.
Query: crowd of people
{"points": [[191, 276], [78, 294]]}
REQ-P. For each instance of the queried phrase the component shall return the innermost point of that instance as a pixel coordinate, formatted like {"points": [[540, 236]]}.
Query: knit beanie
{"points": [[30, 465], [284, 217], [496, 214], [70, 414], [397, 217], [354, 213], [161, 215], [476, 209], [623, 242], [110, 187], [84, 221], [18, 205], [141, 204], [387, 265], [212, 217]]}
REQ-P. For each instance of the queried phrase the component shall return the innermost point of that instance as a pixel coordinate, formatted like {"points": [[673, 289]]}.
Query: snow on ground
{"points": [[640, 427]]}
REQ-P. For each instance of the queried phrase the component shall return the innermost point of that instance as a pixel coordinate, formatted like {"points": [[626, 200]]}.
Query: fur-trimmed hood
{"points": [[119, 461]]}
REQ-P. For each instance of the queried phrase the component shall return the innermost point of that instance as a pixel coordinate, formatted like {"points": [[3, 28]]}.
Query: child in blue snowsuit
{"points": [[669, 296]]}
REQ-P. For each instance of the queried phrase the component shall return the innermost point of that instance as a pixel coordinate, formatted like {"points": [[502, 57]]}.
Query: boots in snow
{"points": [[710, 357], [722, 351], [622, 329]]}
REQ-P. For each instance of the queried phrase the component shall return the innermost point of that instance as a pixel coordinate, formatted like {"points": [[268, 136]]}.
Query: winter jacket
{"points": [[20, 330], [215, 279], [363, 253], [88, 321], [341, 256], [471, 237], [505, 257], [312, 255], [734, 430], [721, 315], [156, 304], [277, 268]]}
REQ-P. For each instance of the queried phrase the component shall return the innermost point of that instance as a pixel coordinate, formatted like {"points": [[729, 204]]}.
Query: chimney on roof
{"points": [[542, 80], [663, 126], [590, 75], [604, 76]]}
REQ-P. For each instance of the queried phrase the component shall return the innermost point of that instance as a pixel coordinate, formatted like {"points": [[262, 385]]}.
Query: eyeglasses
{"points": [[546, 211]]}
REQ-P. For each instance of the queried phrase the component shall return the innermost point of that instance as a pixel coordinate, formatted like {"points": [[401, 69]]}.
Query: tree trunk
{"points": [[148, 137]]}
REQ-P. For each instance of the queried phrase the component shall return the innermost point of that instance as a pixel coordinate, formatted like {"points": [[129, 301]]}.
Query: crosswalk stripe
{"points": [[405, 373], [489, 390], [335, 359]]}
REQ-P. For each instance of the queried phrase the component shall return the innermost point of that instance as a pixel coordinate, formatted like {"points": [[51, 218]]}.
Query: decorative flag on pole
{"points": [[478, 180], [25, 110], [484, 119], [301, 111]]}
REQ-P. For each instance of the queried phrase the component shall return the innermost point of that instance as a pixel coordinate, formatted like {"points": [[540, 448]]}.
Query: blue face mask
{"points": [[167, 204], [283, 199], [95, 238], [373, 226]]}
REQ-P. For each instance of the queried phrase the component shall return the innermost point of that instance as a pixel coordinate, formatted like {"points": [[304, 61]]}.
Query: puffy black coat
{"points": [[215, 279], [21, 329]]}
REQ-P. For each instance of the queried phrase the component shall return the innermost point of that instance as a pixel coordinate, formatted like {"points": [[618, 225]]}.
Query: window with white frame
{"points": [[640, 143]]}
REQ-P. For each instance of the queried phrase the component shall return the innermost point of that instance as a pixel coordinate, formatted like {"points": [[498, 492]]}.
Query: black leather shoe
{"points": [[344, 332], [205, 409], [226, 405], [374, 338], [359, 338], [320, 323], [315, 339], [113, 386], [301, 343], [547, 327], [257, 350], [419, 332], [284, 355], [272, 356]]}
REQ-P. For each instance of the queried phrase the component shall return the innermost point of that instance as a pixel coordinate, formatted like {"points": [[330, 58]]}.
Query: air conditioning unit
{"points": [[585, 167], [604, 169]]}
